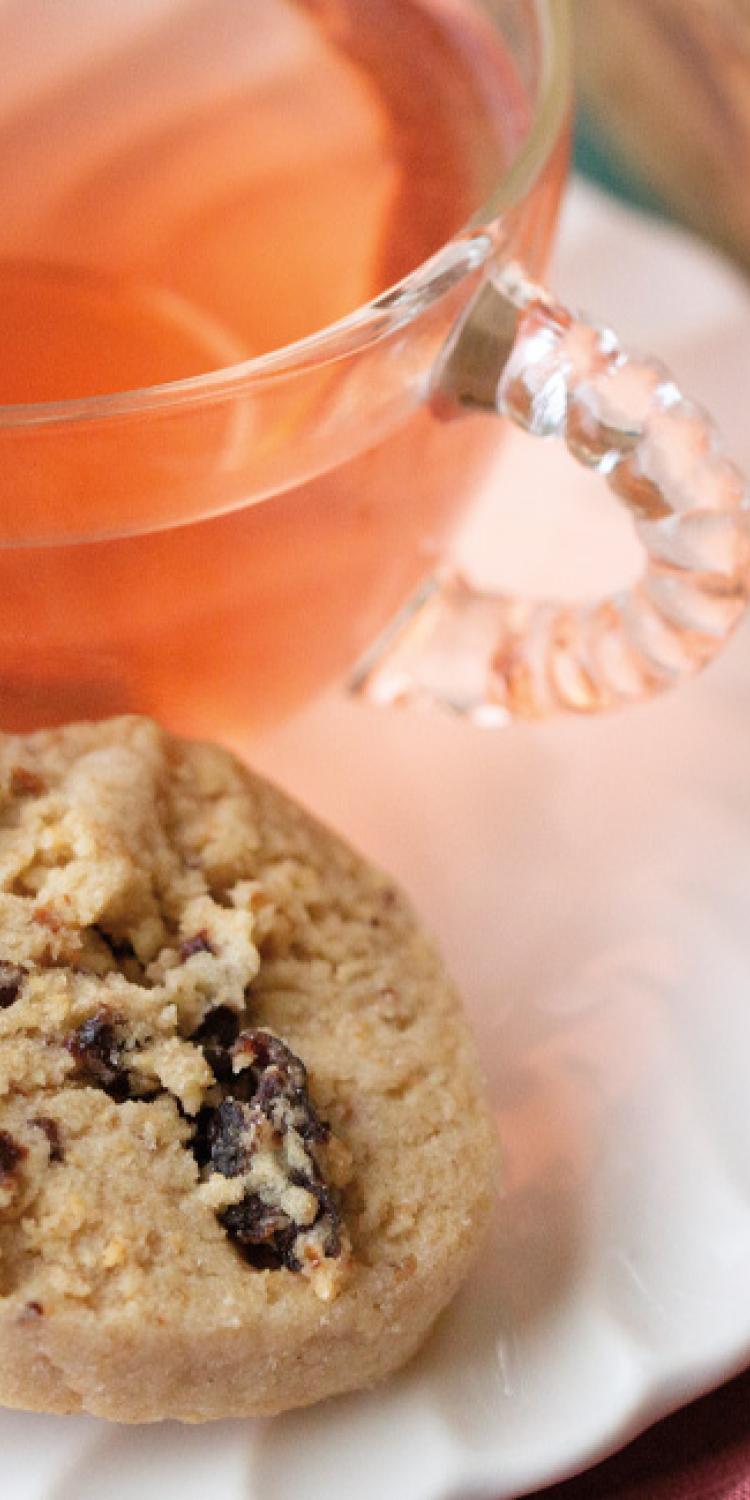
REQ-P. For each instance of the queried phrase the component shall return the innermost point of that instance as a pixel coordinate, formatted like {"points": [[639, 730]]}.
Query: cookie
{"points": [[245, 1152]]}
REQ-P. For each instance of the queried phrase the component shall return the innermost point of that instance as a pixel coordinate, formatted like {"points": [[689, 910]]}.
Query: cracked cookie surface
{"points": [[245, 1155]]}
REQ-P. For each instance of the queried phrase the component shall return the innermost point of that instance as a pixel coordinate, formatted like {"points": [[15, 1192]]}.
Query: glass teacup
{"points": [[216, 546]]}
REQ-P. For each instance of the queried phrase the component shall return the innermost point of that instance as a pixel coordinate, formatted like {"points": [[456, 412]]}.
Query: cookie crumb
{"points": [[114, 1253], [47, 917], [25, 783], [406, 1268]]}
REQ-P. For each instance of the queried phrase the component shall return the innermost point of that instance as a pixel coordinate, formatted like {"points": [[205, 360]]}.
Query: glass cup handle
{"points": [[492, 658]]}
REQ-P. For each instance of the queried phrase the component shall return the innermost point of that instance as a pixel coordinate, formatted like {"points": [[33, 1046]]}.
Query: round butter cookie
{"points": [[245, 1152]]}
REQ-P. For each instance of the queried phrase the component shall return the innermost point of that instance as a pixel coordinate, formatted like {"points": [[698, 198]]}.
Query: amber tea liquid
{"points": [[187, 184]]}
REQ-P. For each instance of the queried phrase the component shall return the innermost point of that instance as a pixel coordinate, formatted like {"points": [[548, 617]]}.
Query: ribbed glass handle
{"points": [[556, 375]]}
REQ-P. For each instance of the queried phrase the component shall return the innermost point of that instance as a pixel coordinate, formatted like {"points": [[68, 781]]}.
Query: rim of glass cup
{"points": [[397, 305]]}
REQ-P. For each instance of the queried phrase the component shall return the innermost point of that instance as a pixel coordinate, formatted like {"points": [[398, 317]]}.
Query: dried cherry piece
{"points": [[199, 943], [230, 1138], [253, 1222], [98, 1054], [11, 980], [216, 1035], [11, 1154], [270, 1087], [268, 1051]]}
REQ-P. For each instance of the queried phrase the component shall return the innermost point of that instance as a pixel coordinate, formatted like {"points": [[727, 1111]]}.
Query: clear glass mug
{"points": [[216, 549]]}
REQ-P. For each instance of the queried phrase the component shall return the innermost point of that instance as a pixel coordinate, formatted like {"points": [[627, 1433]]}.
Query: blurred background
{"points": [[664, 118]]}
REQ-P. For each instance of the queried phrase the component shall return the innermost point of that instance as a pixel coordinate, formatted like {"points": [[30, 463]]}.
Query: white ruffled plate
{"points": [[590, 885]]}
